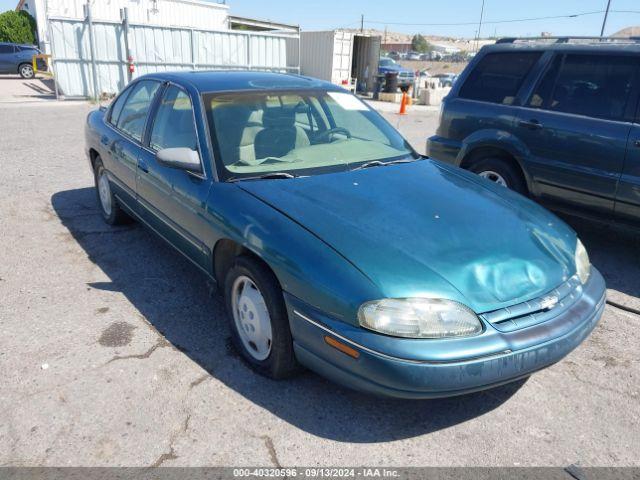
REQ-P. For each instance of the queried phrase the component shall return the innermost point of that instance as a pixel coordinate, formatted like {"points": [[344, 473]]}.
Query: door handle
{"points": [[143, 166], [531, 124], [637, 143]]}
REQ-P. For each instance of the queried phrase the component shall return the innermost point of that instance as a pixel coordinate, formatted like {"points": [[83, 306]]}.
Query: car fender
{"points": [[305, 266], [499, 140]]}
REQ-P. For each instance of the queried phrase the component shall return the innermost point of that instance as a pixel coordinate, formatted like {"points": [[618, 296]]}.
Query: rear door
{"points": [[575, 125], [171, 200], [123, 144], [7, 59], [627, 206]]}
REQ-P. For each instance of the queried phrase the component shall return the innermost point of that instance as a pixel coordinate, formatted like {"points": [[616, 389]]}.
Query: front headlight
{"points": [[419, 318], [583, 265]]}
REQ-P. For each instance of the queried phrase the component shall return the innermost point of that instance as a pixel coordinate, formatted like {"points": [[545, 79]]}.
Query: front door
{"points": [[575, 125], [171, 200]]}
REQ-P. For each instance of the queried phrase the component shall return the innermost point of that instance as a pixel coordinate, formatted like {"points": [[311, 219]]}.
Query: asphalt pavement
{"points": [[114, 350]]}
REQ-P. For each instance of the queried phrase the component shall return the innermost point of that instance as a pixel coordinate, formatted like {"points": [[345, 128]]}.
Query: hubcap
{"points": [[251, 318], [27, 71], [494, 177], [104, 191]]}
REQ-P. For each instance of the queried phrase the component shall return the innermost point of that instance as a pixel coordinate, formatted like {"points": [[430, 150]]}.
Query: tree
{"points": [[420, 44], [17, 27]]}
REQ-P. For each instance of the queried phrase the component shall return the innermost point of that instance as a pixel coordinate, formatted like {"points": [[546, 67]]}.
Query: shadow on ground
{"points": [[174, 298]]}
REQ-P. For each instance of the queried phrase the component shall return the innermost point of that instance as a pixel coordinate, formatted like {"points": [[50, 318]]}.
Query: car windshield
{"points": [[386, 62], [296, 133]]}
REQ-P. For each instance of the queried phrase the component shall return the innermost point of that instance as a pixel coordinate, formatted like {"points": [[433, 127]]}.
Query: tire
{"points": [[501, 172], [246, 312], [109, 206], [26, 70]]}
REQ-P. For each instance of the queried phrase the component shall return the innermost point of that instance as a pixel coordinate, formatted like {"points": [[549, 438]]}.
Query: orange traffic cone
{"points": [[403, 104]]}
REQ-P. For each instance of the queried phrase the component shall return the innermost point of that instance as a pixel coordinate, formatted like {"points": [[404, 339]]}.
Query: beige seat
{"points": [[247, 149], [280, 134]]}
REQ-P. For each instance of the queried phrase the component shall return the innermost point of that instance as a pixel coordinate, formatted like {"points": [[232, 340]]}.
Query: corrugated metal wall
{"points": [[172, 13], [155, 48]]}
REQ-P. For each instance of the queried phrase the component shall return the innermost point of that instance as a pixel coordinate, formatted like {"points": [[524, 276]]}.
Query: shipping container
{"points": [[341, 57]]}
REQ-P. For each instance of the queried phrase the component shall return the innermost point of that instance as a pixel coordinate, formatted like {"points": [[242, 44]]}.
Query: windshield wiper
{"points": [[266, 176], [378, 163]]}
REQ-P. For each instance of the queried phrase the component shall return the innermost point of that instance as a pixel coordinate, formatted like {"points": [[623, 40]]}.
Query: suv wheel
{"points": [[499, 171], [26, 71]]}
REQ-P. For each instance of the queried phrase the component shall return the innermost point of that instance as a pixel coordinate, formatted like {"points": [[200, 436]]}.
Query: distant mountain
{"points": [[628, 32]]}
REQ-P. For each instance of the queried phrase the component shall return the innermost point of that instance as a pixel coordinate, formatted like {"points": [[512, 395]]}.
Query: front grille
{"points": [[538, 310]]}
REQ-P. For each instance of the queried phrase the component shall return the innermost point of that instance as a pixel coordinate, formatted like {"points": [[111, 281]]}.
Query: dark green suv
{"points": [[556, 119]]}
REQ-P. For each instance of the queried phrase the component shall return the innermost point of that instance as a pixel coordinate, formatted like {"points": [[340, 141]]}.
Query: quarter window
{"points": [[117, 107], [173, 126], [591, 85], [498, 77], [136, 107]]}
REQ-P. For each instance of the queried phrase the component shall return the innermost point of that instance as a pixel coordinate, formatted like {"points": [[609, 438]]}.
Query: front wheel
{"points": [[501, 172], [26, 71], [258, 318]]}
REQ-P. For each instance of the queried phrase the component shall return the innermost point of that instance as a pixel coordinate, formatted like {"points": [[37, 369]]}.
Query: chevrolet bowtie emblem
{"points": [[548, 302]]}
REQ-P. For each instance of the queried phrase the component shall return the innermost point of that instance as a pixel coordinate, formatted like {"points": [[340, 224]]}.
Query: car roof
{"points": [[608, 45], [229, 80]]}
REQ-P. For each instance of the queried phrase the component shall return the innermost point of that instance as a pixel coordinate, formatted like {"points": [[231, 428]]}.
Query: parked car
{"points": [[19, 59], [446, 79], [555, 121], [394, 55], [335, 244], [405, 75], [413, 56]]}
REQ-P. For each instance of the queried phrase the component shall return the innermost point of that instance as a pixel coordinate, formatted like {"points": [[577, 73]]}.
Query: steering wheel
{"points": [[327, 133]]}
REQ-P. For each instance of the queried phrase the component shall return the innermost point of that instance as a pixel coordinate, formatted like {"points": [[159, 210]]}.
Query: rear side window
{"points": [[498, 77], [133, 117], [174, 125], [117, 107], [6, 49], [592, 85]]}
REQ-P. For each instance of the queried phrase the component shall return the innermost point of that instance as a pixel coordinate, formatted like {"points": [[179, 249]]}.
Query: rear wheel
{"points": [[258, 318], [109, 207], [26, 70], [501, 172]]}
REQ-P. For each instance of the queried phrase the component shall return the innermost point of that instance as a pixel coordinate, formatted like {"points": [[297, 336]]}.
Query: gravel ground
{"points": [[114, 350]]}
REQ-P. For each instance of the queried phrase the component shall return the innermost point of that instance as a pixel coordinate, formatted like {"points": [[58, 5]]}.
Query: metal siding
{"points": [[155, 48], [326, 55]]}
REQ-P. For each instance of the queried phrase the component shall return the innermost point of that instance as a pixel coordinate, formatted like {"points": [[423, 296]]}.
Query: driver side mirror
{"points": [[182, 158]]}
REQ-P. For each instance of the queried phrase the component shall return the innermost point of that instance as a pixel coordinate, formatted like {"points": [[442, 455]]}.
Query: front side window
{"points": [[174, 125], [297, 132], [133, 117], [498, 77], [592, 85]]}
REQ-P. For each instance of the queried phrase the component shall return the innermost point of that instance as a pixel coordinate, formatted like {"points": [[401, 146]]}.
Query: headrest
{"points": [[279, 117]]}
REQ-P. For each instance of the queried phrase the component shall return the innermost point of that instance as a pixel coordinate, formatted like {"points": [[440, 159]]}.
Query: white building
{"points": [[169, 13]]}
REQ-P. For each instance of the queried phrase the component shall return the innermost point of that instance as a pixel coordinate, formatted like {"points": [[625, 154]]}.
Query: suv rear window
{"points": [[591, 85], [498, 77]]}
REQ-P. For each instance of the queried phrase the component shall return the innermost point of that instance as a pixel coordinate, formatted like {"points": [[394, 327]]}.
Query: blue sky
{"points": [[327, 14]]}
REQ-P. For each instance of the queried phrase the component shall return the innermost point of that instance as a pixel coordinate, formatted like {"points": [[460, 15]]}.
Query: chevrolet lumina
{"points": [[336, 246]]}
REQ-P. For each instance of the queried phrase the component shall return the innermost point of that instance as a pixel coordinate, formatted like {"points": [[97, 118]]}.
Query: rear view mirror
{"points": [[182, 158]]}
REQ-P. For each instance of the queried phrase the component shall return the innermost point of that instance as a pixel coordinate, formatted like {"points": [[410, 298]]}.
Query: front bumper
{"points": [[411, 368]]}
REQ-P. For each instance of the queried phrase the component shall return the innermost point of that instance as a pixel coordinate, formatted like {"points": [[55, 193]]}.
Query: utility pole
{"points": [[604, 22], [362, 22], [480, 26]]}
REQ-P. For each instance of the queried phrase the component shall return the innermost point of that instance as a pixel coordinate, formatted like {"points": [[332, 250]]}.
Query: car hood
{"points": [[426, 229]]}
